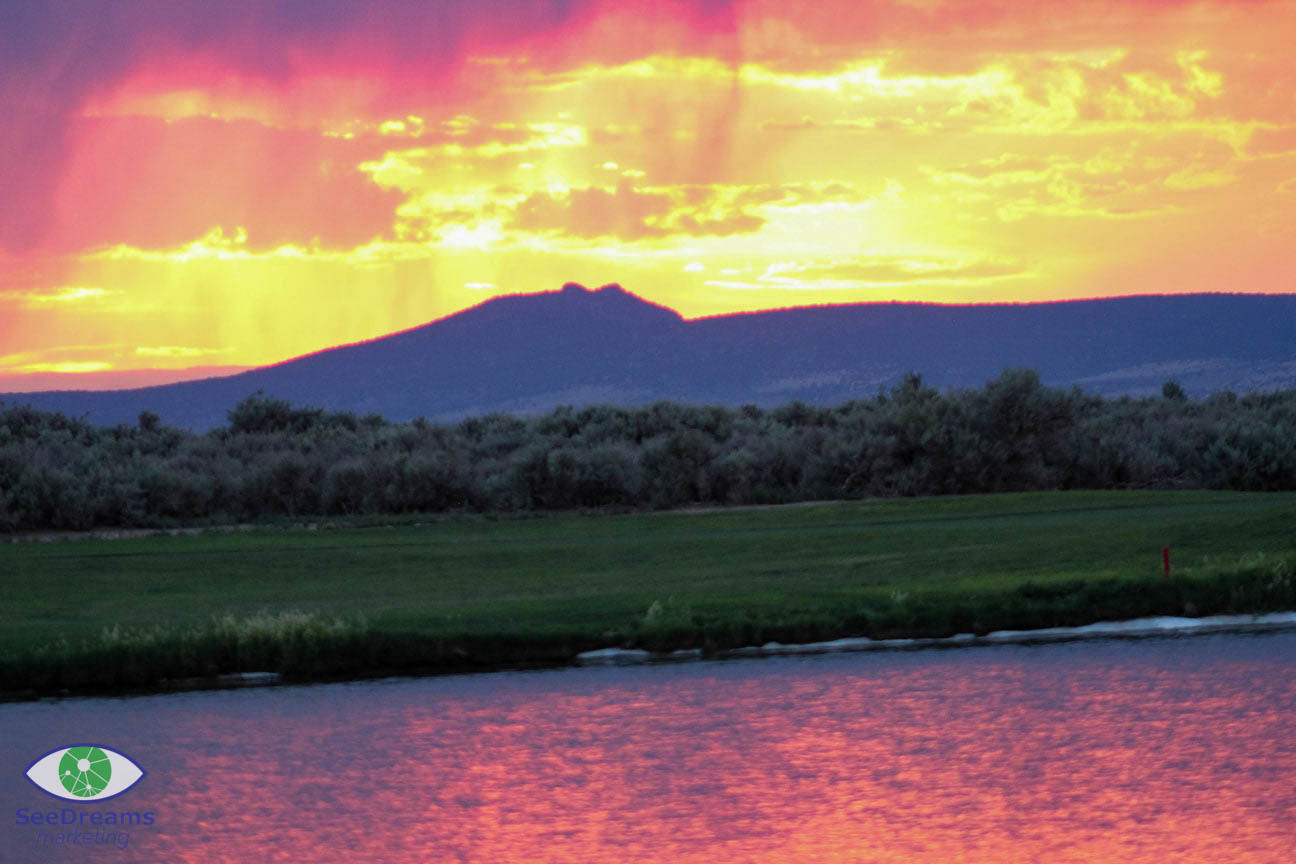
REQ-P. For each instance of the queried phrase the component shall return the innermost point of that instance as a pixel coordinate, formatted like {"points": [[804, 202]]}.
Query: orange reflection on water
{"points": [[1132, 752]]}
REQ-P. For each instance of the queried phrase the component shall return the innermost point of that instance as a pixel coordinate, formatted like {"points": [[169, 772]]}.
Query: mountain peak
{"points": [[612, 299], [611, 289]]}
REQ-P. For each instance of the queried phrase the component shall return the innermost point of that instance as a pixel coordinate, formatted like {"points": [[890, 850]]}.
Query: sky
{"points": [[190, 186]]}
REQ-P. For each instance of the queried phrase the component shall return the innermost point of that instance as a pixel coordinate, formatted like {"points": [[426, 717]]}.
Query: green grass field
{"points": [[474, 593]]}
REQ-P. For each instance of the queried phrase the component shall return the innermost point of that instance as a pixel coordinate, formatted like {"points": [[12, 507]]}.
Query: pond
{"points": [[1150, 750]]}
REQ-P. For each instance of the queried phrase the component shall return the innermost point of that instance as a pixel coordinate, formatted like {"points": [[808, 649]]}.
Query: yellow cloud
{"points": [[900, 270], [61, 295], [1200, 79], [1195, 178], [64, 366], [411, 168], [177, 351]]}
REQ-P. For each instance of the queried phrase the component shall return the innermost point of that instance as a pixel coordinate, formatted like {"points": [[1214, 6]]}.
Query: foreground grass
{"points": [[473, 593]]}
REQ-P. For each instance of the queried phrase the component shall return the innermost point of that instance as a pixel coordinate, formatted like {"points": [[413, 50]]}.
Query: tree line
{"points": [[274, 459]]}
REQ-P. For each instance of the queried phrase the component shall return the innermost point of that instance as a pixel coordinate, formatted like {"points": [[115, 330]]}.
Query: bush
{"points": [[274, 459]]}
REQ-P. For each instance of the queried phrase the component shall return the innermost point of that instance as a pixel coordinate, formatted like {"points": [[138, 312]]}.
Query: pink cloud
{"points": [[145, 182]]}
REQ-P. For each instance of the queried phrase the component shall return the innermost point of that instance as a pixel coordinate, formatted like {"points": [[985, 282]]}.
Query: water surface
{"points": [[1178, 749]]}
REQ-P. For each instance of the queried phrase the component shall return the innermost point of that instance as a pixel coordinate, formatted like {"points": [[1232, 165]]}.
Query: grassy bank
{"points": [[465, 593]]}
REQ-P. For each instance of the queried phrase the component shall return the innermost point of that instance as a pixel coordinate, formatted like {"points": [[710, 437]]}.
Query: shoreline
{"points": [[1151, 627], [1136, 628]]}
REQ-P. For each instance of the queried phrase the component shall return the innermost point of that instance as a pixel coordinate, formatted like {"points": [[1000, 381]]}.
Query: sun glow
{"points": [[359, 176]]}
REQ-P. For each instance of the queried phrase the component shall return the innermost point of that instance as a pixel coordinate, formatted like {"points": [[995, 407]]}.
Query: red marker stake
{"points": [[1165, 559]]}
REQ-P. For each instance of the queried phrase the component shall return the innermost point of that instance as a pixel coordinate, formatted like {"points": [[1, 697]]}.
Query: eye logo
{"points": [[84, 772]]}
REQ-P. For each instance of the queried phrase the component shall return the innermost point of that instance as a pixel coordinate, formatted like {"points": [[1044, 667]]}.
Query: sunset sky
{"points": [[195, 184]]}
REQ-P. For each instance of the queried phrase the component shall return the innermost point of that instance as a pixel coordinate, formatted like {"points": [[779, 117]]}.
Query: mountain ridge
{"points": [[530, 352]]}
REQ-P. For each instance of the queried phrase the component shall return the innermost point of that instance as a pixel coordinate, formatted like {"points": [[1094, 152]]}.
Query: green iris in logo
{"points": [[84, 771]]}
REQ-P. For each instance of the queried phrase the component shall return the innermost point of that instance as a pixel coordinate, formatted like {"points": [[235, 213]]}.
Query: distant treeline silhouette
{"points": [[276, 460]]}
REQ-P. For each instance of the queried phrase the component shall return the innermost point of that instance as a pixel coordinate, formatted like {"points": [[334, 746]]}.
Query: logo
{"points": [[84, 772]]}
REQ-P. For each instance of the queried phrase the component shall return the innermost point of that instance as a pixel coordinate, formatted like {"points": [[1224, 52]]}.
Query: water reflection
{"points": [[1132, 751]]}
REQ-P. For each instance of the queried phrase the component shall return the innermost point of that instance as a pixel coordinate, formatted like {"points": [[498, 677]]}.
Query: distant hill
{"points": [[111, 379], [528, 353]]}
